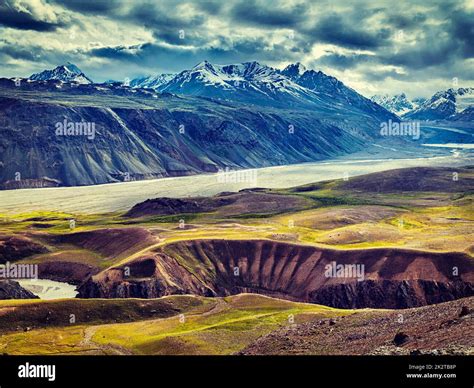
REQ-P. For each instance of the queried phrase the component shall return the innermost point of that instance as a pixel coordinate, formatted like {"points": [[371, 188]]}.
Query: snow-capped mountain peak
{"points": [[72, 68], [398, 104], [463, 97], [203, 65], [247, 81], [256, 83], [294, 70], [445, 104], [151, 81], [66, 73]]}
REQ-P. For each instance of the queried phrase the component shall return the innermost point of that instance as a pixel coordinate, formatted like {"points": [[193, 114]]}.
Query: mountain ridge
{"points": [[453, 104], [252, 82], [294, 86], [67, 72], [137, 134], [398, 103], [208, 118], [445, 104]]}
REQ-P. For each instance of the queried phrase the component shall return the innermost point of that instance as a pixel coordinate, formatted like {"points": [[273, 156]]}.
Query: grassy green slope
{"points": [[188, 325]]}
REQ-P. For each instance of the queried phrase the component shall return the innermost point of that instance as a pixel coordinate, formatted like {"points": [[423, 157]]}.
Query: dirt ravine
{"points": [[392, 278]]}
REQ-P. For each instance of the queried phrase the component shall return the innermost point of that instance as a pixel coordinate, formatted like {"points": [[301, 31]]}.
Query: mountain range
{"points": [[398, 104], [451, 104], [296, 86], [204, 119], [255, 83]]}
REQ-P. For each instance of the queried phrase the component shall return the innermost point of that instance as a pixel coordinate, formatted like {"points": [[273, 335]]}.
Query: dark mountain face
{"points": [[451, 104], [139, 134], [293, 70], [331, 89], [58, 130], [465, 115]]}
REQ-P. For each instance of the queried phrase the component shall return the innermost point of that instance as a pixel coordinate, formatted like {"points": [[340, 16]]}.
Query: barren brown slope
{"points": [[13, 248], [446, 328], [418, 179], [248, 201], [394, 278], [110, 242], [412, 179], [78, 255]]}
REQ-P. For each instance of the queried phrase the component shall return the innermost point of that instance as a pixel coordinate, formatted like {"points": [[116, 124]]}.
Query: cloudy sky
{"points": [[417, 46]]}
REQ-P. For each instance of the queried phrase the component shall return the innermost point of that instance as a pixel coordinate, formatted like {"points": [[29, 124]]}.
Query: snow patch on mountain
{"points": [[445, 105], [398, 104], [65, 73], [255, 83], [151, 81]]}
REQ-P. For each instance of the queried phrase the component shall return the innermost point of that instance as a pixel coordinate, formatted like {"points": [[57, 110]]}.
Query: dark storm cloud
{"points": [[100, 7], [211, 7], [336, 30], [33, 54], [380, 76], [181, 37], [117, 53], [358, 37], [340, 61], [442, 45], [168, 25], [18, 53], [12, 17], [159, 16], [462, 32], [406, 21], [422, 56], [177, 58], [267, 14]]}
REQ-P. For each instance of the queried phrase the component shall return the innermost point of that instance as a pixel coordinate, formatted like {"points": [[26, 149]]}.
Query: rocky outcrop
{"points": [[391, 294], [434, 330], [9, 289], [392, 278]]}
